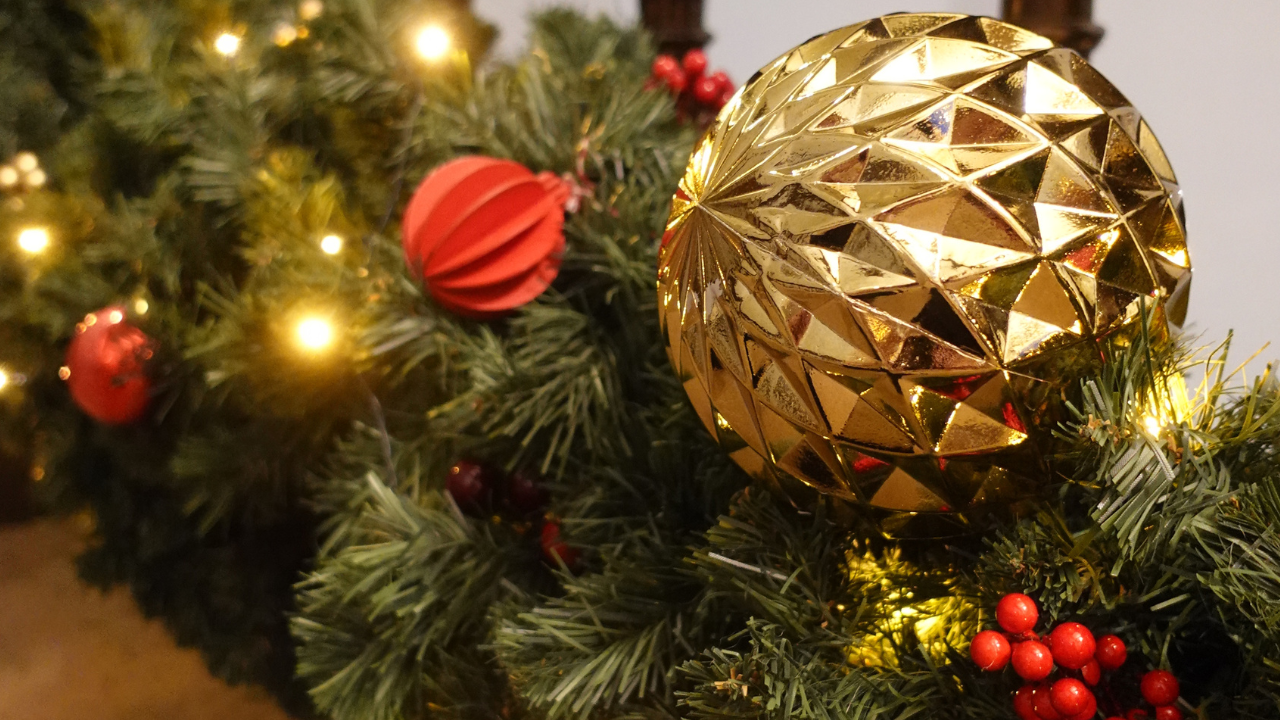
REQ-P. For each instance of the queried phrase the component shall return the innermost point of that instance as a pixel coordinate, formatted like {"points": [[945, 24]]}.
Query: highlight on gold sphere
{"points": [[432, 42], [314, 334], [896, 245], [227, 44], [33, 240], [331, 244]]}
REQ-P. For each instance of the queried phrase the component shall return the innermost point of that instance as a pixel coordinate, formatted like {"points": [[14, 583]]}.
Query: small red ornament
{"points": [[990, 650], [555, 550], [485, 235], [664, 65], [1069, 696], [695, 63], [1073, 645], [1042, 701], [107, 359], [1168, 712], [1160, 687], [1111, 652], [706, 91], [1032, 660], [1017, 613], [1091, 672], [1090, 709], [1023, 703]]}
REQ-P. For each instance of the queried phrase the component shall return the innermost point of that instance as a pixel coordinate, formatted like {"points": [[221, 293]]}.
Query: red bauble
{"points": [[485, 235], [990, 650], [107, 359], [1017, 613], [664, 65], [470, 485], [1069, 696], [555, 550], [1091, 673], [1168, 712], [1090, 709], [1111, 652], [1160, 687], [1022, 703], [1042, 701], [695, 63], [1072, 644], [706, 91], [1032, 660]]}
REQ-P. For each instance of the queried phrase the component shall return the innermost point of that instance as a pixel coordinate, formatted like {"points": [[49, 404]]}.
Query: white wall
{"points": [[1202, 73]]}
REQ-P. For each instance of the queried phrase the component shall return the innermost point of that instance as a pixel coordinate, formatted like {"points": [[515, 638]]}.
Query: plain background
{"points": [[1203, 74]]}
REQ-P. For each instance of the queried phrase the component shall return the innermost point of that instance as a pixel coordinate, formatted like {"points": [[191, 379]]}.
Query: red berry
{"points": [[1069, 696], [469, 484], [676, 81], [1072, 644], [990, 650], [1159, 687], [1017, 613], [1168, 712], [1032, 660], [1111, 652], [1022, 704], [722, 80], [1090, 709], [1136, 714], [695, 63], [664, 66], [726, 96], [525, 494], [555, 550], [1042, 701], [1091, 673], [706, 91]]}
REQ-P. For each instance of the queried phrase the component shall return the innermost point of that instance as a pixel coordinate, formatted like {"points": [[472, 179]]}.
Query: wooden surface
{"points": [[69, 652]]}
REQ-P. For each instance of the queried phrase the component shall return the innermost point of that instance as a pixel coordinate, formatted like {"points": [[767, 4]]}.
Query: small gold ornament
{"points": [[897, 244]]}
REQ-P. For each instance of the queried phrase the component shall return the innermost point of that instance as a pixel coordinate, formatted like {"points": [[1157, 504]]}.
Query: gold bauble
{"points": [[897, 245]]}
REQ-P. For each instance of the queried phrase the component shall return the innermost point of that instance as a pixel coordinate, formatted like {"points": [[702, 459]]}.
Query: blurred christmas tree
{"points": [[520, 517]]}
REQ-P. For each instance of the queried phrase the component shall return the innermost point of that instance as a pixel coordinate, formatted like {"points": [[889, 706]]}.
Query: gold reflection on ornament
{"points": [[892, 243]]}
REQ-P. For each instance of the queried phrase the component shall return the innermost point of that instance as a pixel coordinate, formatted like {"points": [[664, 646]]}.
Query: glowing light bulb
{"points": [[310, 9], [8, 176], [26, 162], [115, 317], [141, 306], [36, 178], [4, 379], [284, 34], [331, 244], [314, 334], [33, 240], [227, 44], [433, 42]]}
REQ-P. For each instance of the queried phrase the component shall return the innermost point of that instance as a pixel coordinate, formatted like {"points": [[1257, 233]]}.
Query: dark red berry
{"points": [[1136, 714], [1168, 712], [695, 63], [727, 96], [1022, 703], [676, 81], [1091, 672], [1072, 644], [1042, 701], [706, 91], [555, 550], [664, 66], [990, 650], [1111, 652], [1017, 613], [1069, 696], [1090, 709], [722, 80], [1032, 660], [1159, 687], [525, 494], [469, 484]]}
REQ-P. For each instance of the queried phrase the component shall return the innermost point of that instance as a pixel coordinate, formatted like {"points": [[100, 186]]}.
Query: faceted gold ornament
{"points": [[896, 246]]}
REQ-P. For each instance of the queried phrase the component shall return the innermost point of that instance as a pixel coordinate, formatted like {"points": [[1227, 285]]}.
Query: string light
{"points": [[26, 162], [314, 334], [310, 9], [33, 240], [331, 244], [227, 44], [433, 42], [36, 178], [8, 176], [284, 34], [141, 306], [4, 379]]}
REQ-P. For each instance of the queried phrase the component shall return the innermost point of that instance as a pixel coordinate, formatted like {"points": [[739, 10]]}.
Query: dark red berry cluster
{"points": [[483, 491], [697, 94], [1069, 649]]}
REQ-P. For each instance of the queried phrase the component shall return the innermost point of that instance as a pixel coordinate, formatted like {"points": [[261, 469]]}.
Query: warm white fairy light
{"points": [[36, 178], [9, 176], [331, 244], [432, 42], [4, 379], [26, 162], [314, 334], [310, 9], [284, 34], [227, 44], [33, 240], [141, 306]]}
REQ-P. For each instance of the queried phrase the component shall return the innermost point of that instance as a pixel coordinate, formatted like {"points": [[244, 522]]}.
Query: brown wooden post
{"points": [[676, 25], [1066, 22]]}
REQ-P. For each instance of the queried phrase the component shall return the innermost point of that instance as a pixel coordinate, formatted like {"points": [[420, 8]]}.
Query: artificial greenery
{"points": [[272, 490]]}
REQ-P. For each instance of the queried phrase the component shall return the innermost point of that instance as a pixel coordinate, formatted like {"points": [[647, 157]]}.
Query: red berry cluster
{"points": [[483, 491], [697, 94]]}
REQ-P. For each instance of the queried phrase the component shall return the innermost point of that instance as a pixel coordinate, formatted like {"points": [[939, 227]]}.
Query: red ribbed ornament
{"points": [[107, 359], [485, 235]]}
